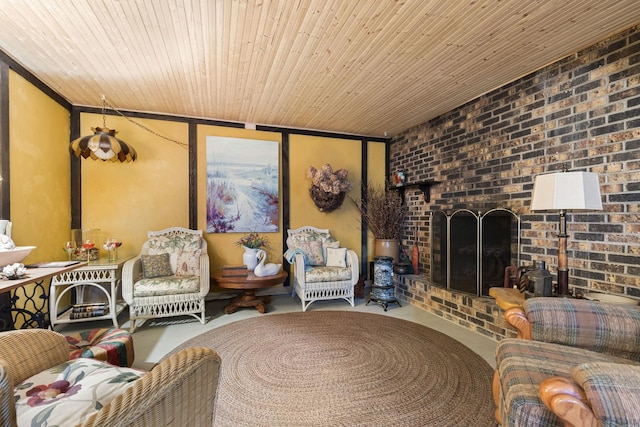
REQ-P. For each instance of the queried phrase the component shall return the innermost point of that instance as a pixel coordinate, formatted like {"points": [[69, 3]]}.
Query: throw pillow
{"points": [[312, 252], [326, 245], [156, 266], [336, 257], [188, 263]]}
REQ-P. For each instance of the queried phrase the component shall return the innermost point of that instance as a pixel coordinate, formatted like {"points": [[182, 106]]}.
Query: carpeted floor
{"points": [[323, 368]]}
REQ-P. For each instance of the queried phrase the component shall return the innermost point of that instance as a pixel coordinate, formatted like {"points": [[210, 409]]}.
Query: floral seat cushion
{"points": [[327, 274], [70, 392], [169, 285]]}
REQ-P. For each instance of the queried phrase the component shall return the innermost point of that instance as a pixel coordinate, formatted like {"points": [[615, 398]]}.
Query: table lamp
{"points": [[564, 191]]}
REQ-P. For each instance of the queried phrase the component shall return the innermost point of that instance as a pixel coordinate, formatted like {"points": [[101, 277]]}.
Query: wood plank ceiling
{"points": [[366, 67]]}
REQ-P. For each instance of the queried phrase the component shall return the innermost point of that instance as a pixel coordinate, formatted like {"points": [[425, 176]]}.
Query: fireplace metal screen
{"points": [[470, 250]]}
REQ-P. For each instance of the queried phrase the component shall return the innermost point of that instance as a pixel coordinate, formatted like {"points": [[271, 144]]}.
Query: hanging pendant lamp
{"points": [[103, 144]]}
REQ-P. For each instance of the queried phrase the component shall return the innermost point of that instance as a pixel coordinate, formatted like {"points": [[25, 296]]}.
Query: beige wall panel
{"points": [[222, 248], [126, 200], [305, 151]]}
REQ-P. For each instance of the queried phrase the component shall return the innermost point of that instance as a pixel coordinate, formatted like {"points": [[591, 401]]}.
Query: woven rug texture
{"points": [[340, 368]]}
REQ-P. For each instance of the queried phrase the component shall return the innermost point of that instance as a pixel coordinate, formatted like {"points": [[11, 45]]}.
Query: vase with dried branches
{"points": [[384, 213]]}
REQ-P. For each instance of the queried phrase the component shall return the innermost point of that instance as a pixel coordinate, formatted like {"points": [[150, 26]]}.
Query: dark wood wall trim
{"points": [[76, 174], [193, 176], [5, 200], [158, 116], [322, 134], [286, 199], [364, 177]]}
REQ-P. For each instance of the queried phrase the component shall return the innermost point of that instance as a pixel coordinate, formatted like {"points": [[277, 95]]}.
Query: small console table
{"points": [[30, 293], [103, 275]]}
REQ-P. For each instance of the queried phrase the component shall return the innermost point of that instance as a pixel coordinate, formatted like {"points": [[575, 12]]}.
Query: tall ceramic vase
{"points": [[387, 247], [250, 258]]}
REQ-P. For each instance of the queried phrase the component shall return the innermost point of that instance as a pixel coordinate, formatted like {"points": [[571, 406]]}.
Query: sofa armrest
{"points": [[29, 351], [178, 391], [517, 318], [600, 393], [566, 399], [606, 328]]}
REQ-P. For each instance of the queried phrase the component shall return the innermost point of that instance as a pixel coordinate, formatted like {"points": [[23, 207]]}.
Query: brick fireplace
{"points": [[582, 113]]}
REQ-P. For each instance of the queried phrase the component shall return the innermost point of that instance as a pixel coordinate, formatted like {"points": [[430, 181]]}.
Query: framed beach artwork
{"points": [[242, 185]]}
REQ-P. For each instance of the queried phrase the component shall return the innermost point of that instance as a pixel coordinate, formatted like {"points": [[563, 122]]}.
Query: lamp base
{"points": [[563, 283]]}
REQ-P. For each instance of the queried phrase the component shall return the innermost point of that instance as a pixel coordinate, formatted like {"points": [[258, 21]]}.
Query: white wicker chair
{"points": [[319, 282], [170, 299]]}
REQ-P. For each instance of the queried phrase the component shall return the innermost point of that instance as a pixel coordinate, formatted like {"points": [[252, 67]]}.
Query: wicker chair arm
{"points": [[29, 351], [131, 273], [179, 391], [352, 262], [7, 399], [298, 267], [205, 279]]}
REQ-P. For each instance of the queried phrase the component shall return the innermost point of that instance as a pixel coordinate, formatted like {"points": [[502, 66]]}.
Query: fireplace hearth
{"points": [[470, 250]]}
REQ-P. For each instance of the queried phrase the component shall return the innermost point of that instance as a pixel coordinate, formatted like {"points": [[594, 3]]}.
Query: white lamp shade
{"points": [[566, 190]]}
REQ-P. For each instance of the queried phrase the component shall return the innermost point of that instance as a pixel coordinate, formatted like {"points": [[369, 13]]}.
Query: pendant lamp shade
{"points": [[103, 145]]}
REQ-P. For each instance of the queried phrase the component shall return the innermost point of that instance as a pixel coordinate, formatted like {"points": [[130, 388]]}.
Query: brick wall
{"points": [[582, 112]]}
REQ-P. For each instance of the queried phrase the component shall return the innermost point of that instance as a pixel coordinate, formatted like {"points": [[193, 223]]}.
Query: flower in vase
{"points": [[253, 240]]}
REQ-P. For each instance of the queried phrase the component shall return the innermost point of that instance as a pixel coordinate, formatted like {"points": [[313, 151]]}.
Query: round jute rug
{"points": [[323, 368]]}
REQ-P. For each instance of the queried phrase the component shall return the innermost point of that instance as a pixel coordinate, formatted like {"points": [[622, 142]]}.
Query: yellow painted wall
{"points": [[39, 164], [304, 151], [222, 248], [39, 167], [126, 200]]}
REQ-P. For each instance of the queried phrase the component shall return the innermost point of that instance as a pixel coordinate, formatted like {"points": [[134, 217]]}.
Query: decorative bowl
{"points": [[15, 255]]}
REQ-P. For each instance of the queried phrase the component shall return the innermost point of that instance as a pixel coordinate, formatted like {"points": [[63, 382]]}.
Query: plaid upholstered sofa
{"points": [[575, 363], [40, 386]]}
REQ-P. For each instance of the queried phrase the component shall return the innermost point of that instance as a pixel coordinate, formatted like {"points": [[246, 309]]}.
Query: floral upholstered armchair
{"points": [[170, 276], [322, 269], [576, 363], [39, 385]]}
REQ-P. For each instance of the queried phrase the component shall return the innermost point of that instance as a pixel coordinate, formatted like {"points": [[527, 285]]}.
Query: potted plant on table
{"points": [[252, 242], [383, 211]]}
